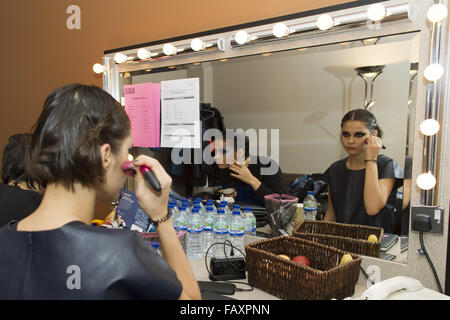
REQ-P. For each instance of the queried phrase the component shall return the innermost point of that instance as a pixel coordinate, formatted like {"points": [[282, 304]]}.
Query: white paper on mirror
{"points": [[180, 113]]}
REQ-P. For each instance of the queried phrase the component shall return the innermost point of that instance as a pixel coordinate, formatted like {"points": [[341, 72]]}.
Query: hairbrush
{"points": [[130, 169]]}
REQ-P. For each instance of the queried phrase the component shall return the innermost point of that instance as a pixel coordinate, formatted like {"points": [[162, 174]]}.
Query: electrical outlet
{"points": [[436, 215]]}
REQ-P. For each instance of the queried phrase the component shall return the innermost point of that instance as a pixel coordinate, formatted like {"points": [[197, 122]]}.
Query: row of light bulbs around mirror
{"points": [[433, 72], [376, 12]]}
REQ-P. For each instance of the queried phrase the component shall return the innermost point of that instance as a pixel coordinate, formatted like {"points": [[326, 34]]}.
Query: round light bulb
{"points": [[280, 30], [376, 12], [197, 44], [437, 13], [433, 72], [429, 127], [98, 68], [120, 58], [169, 49], [325, 22], [426, 181], [242, 37], [130, 157], [144, 54]]}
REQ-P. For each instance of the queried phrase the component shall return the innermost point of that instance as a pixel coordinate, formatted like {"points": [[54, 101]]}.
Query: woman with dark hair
{"points": [[78, 145], [250, 175], [19, 194], [362, 187]]}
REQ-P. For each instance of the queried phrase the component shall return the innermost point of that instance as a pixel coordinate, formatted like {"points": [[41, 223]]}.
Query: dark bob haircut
{"points": [[365, 117], [75, 121], [13, 163]]}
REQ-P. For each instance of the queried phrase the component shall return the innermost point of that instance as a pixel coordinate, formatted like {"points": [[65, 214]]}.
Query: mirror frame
{"points": [[415, 21]]}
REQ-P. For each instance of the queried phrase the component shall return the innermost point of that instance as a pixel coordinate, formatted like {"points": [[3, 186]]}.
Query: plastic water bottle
{"points": [[208, 221], [249, 221], [310, 206], [220, 233], [310, 214], [230, 215], [195, 235], [171, 208], [181, 222], [236, 233]]}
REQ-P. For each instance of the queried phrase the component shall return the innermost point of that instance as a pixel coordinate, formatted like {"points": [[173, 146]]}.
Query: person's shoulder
{"points": [[384, 160], [338, 164], [120, 235], [17, 191]]}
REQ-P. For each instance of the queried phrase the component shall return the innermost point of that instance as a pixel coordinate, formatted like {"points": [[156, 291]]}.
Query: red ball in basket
{"points": [[301, 260]]}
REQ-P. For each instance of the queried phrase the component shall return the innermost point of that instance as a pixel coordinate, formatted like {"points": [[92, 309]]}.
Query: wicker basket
{"points": [[347, 237], [153, 237], [324, 279]]}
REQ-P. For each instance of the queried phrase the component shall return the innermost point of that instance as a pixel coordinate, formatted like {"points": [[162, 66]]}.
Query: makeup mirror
{"points": [[304, 93], [307, 110]]}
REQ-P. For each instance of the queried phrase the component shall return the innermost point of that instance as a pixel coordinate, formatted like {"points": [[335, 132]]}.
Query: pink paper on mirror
{"points": [[142, 104]]}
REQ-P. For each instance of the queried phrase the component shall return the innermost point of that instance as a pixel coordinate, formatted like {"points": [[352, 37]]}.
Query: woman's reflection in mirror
{"points": [[362, 187]]}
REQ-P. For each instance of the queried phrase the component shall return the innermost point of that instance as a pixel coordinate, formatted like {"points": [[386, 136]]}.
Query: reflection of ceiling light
{"points": [[369, 71], [196, 63], [429, 127], [143, 54], [197, 44], [437, 13], [120, 58], [426, 181], [302, 49], [266, 54], [369, 74], [242, 37], [280, 30], [223, 60], [148, 70], [433, 72], [376, 12], [98, 68], [169, 49], [171, 67], [325, 22]]}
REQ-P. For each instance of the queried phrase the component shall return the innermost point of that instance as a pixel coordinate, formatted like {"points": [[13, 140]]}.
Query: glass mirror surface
{"points": [[305, 92]]}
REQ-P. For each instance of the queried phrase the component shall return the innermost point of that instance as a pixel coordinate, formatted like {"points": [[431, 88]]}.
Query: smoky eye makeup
{"points": [[358, 134]]}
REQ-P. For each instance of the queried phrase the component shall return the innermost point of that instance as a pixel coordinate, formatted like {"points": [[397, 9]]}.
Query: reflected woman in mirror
{"points": [[251, 176], [362, 187]]}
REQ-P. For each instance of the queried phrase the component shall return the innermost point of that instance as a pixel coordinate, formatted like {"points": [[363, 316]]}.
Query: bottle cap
{"points": [[195, 210], [236, 206], [197, 206], [220, 211], [171, 206], [155, 245], [310, 192], [209, 208], [236, 212]]}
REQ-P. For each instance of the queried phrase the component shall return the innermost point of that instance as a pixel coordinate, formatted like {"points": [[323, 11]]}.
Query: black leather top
{"points": [[78, 261]]}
